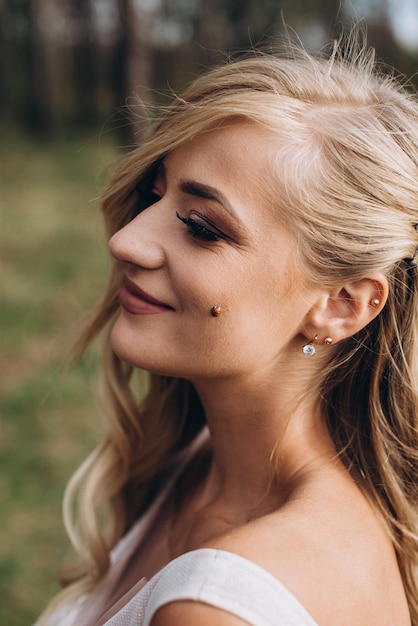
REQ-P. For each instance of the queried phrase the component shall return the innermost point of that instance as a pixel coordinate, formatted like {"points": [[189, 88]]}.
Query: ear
{"points": [[342, 312]]}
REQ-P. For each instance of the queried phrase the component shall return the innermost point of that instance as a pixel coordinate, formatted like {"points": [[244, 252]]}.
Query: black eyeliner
{"points": [[198, 230]]}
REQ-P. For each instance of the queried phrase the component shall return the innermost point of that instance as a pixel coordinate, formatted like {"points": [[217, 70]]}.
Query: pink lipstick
{"points": [[138, 302]]}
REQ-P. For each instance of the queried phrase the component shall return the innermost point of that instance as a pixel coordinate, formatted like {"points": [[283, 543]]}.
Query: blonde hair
{"points": [[347, 165]]}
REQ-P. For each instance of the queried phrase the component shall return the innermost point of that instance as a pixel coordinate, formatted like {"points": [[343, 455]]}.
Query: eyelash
{"points": [[198, 230], [149, 197]]}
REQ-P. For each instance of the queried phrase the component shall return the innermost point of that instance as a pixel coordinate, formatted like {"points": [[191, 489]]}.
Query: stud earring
{"points": [[375, 302], [309, 349], [216, 311], [328, 340]]}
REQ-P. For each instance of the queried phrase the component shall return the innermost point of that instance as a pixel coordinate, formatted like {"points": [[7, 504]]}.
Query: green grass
{"points": [[53, 265]]}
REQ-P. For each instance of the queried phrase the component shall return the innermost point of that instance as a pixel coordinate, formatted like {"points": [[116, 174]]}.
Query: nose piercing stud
{"points": [[216, 311]]}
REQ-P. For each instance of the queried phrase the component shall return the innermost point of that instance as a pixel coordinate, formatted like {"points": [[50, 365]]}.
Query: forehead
{"points": [[238, 158]]}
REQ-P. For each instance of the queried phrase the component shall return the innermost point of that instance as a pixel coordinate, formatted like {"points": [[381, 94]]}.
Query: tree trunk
{"points": [[134, 64], [85, 74], [44, 75]]}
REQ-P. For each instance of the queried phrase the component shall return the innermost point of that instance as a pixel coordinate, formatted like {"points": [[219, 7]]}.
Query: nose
{"points": [[141, 241]]}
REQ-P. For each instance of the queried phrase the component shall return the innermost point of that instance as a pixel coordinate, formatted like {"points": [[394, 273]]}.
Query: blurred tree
{"points": [[44, 72], [134, 57], [15, 24], [74, 62], [3, 53], [29, 65], [85, 72]]}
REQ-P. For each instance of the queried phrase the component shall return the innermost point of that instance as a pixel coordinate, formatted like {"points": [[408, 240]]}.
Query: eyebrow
{"points": [[201, 190], [208, 193]]}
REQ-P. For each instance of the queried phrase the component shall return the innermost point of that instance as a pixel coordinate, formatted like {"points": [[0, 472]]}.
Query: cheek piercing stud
{"points": [[375, 302], [328, 340], [309, 349], [216, 311]]}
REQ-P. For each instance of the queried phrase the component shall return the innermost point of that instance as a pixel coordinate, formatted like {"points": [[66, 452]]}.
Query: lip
{"points": [[139, 302]]}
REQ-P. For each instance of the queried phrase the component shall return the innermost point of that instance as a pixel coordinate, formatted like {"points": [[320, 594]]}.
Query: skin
{"points": [[262, 295], [308, 523]]}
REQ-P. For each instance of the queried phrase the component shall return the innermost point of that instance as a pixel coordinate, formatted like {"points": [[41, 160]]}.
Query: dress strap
{"points": [[229, 582]]}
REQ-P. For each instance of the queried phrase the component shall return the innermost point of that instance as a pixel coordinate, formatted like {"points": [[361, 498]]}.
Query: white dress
{"points": [[215, 577], [221, 579]]}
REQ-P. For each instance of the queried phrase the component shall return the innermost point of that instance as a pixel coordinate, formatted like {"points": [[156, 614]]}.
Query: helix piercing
{"points": [[216, 311], [309, 349], [328, 340], [375, 302]]}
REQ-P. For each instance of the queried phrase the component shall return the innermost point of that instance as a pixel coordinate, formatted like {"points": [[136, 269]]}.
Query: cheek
{"points": [[251, 330], [269, 313], [255, 321]]}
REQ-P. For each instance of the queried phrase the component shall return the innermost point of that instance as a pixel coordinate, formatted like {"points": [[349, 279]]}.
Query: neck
{"points": [[265, 437], [268, 444]]}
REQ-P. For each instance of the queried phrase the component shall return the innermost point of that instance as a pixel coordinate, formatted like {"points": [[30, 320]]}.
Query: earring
{"points": [[375, 302], [309, 349], [328, 340], [216, 311]]}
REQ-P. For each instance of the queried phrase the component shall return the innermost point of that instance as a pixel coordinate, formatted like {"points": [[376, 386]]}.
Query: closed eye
{"points": [[199, 230], [147, 197]]}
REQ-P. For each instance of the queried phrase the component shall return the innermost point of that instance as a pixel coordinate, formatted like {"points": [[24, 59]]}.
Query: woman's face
{"points": [[211, 237]]}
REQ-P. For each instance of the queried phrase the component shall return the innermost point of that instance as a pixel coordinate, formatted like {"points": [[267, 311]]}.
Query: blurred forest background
{"points": [[68, 68], [70, 64]]}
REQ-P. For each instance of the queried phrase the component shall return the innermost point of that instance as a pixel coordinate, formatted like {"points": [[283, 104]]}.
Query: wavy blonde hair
{"points": [[350, 176]]}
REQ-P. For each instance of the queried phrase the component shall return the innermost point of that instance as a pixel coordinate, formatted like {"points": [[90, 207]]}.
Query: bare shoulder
{"points": [[185, 613], [332, 554], [328, 551]]}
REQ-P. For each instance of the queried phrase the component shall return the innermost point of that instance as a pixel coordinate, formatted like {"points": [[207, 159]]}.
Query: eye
{"points": [[151, 197], [146, 198], [199, 230]]}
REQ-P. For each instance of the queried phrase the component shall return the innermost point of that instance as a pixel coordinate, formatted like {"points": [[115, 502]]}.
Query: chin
{"points": [[126, 347], [139, 353]]}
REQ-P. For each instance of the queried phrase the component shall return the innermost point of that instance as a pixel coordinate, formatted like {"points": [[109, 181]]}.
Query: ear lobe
{"points": [[344, 311]]}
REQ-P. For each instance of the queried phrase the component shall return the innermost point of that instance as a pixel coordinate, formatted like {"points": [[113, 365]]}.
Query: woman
{"points": [[264, 240]]}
